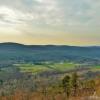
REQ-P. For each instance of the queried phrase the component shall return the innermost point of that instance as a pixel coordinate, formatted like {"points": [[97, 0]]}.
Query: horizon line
{"points": [[49, 44]]}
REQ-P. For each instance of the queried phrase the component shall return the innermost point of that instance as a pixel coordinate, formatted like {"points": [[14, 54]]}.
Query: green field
{"points": [[45, 67], [63, 66], [96, 68]]}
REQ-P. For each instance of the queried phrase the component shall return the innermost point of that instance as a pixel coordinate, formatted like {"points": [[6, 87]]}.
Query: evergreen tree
{"points": [[74, 83], [66, 85]]}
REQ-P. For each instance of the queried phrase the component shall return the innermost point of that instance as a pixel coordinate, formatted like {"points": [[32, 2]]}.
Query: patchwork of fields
{"points": [[46, 67]]}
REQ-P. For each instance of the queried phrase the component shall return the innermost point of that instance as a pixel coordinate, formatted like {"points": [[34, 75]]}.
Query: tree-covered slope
{"points": [[13, 52]]}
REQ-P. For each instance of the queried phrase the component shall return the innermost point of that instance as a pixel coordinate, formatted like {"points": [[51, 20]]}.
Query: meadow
{"points": [[33, 68]]}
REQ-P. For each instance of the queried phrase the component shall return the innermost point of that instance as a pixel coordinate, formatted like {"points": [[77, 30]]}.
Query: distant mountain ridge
{"points": [[14, 52], [19, 44]]}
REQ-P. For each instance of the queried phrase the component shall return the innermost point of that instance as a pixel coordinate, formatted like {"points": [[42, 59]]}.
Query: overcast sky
{"points": [[66, 22]]}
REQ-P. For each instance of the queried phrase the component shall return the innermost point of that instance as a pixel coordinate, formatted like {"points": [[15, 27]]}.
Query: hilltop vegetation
{"points": [[69, 87]]}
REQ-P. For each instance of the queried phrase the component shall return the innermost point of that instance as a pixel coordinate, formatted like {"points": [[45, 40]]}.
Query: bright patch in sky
{"points": [[40, 1], [50, 21]]}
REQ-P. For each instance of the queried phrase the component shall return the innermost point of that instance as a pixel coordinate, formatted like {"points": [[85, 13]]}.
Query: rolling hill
{"points": [[17, 53]]}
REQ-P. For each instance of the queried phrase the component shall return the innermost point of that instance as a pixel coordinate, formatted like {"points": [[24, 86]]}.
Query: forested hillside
{"points": [[14, 53]]}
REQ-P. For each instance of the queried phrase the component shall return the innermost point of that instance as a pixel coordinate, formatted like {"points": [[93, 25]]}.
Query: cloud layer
{"points": [[55, 18], [51, 12]]}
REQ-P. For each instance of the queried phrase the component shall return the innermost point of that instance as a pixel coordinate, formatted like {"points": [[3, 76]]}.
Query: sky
{"points": [[58, 22]]}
